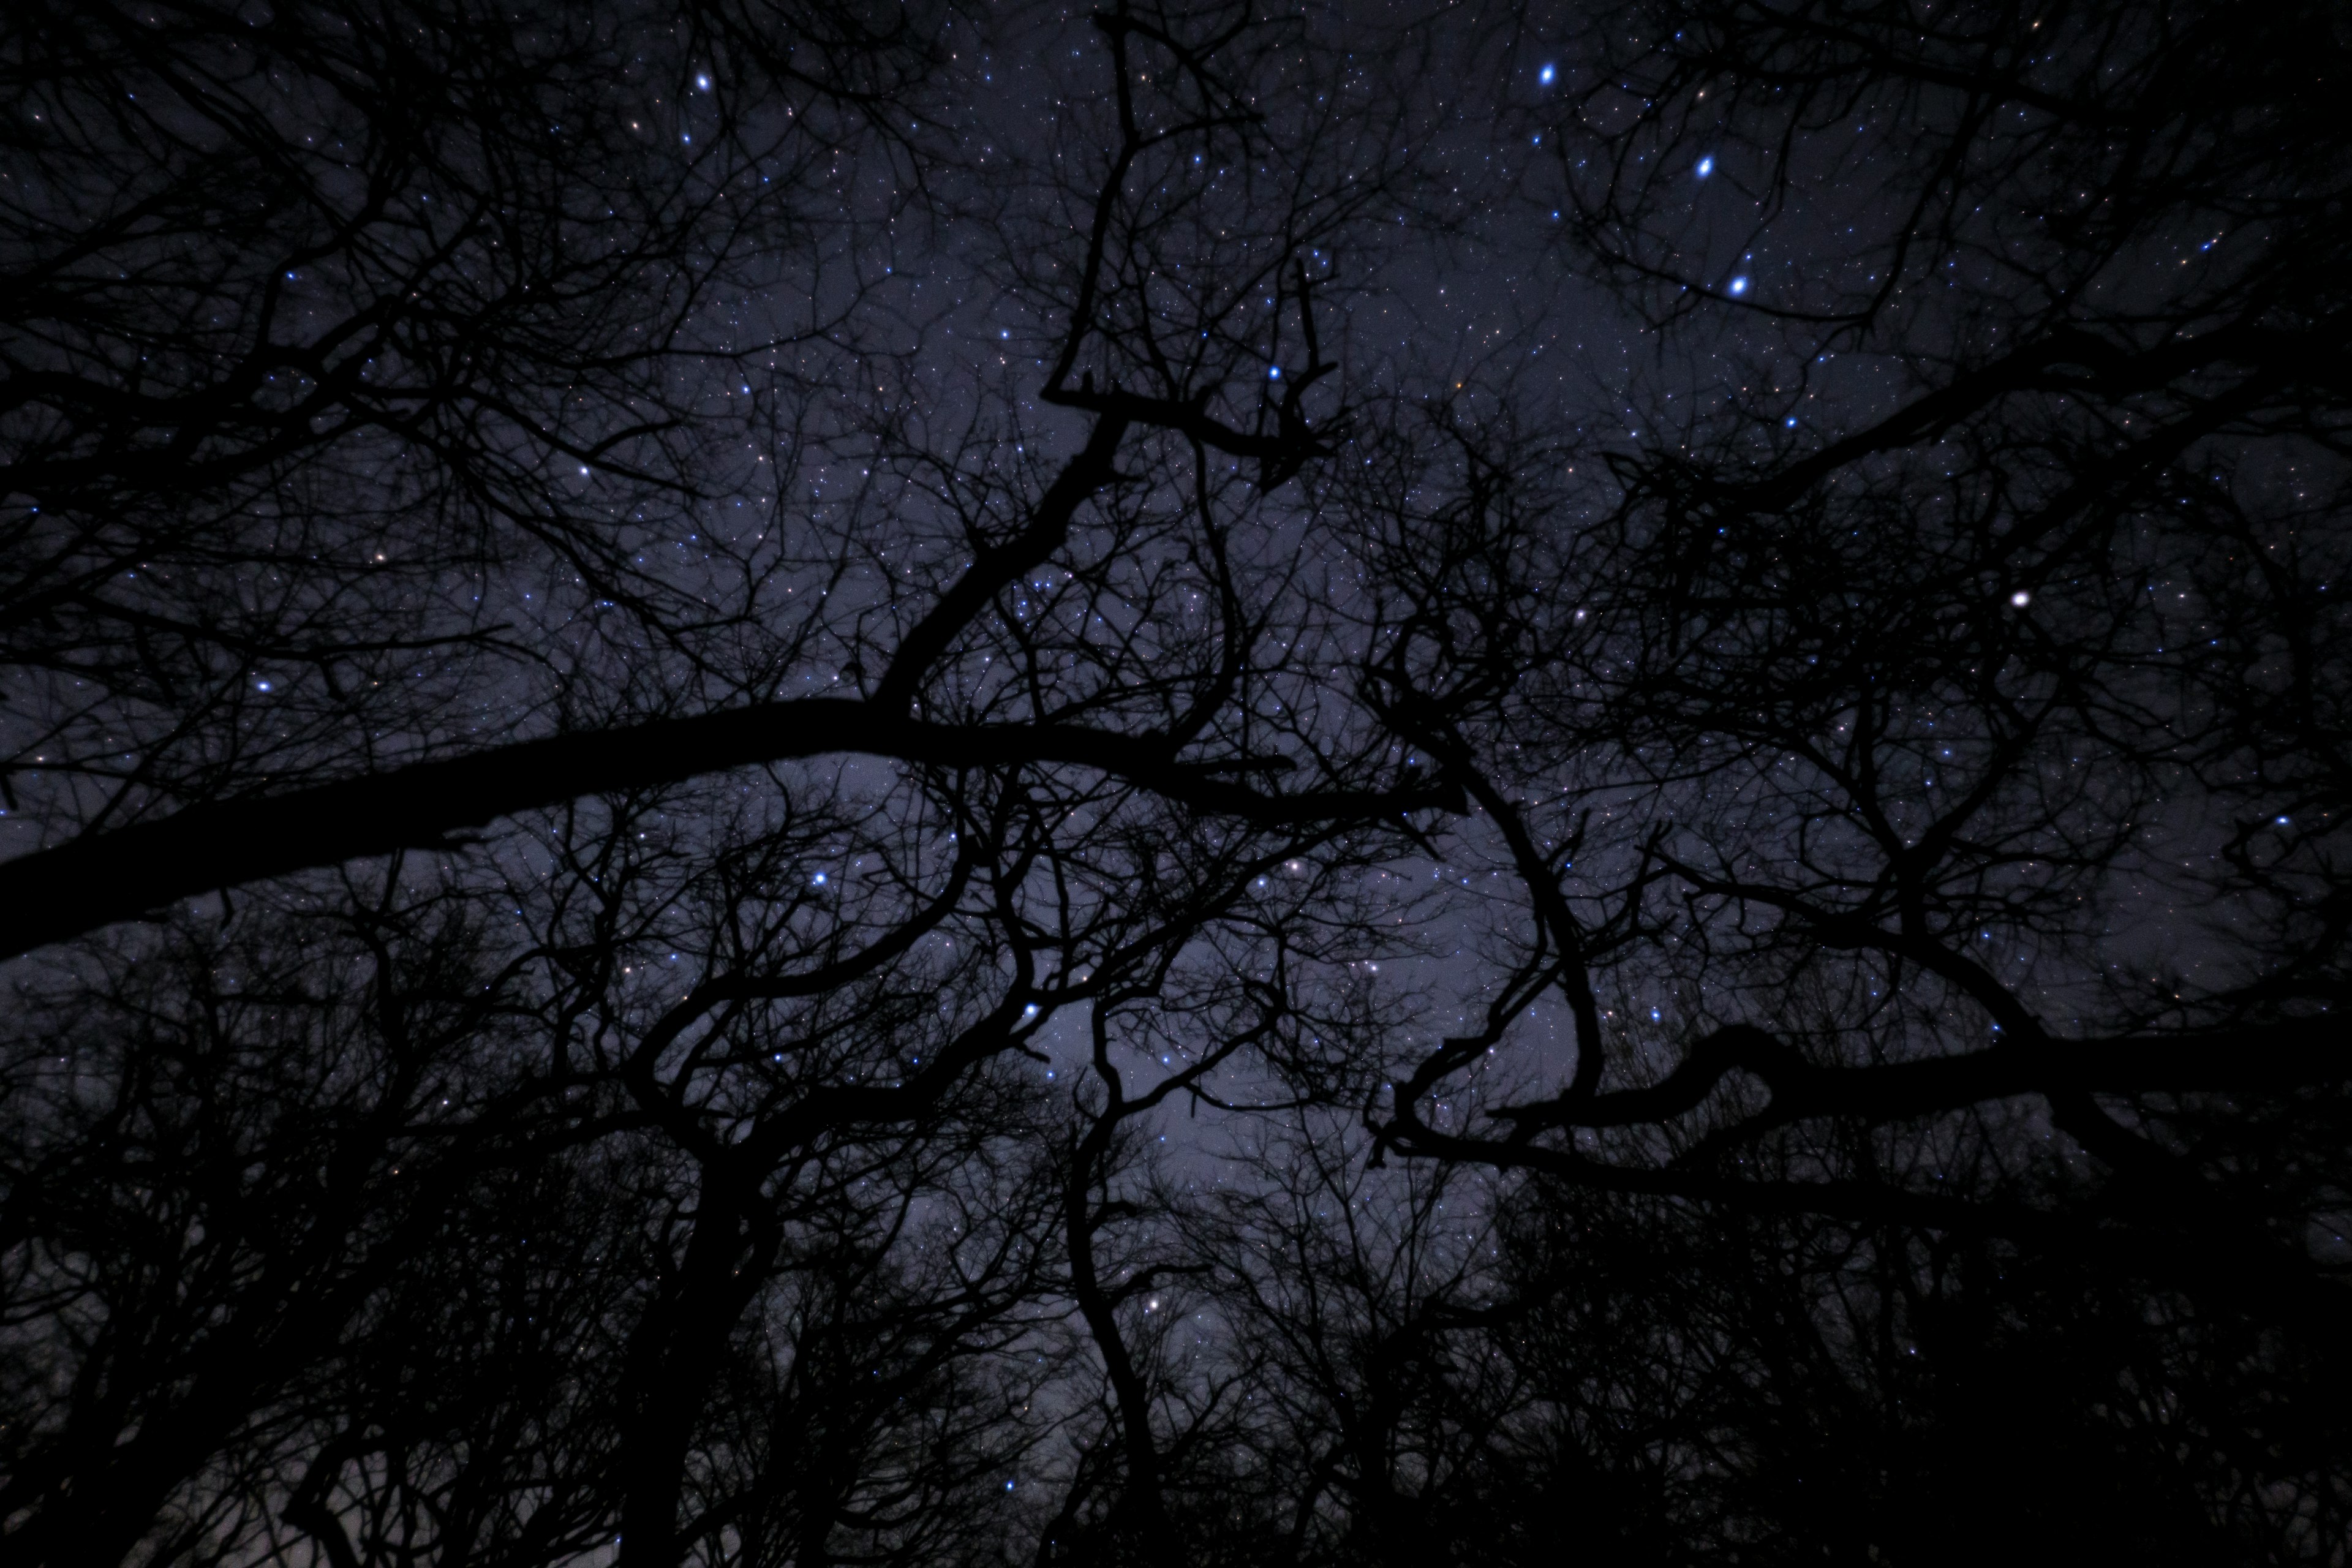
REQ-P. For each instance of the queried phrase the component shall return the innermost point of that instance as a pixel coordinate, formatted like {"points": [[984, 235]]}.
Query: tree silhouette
{"points": [[1946, 752], [793, 784]]}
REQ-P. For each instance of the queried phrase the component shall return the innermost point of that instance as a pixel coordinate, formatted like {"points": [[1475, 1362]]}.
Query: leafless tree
{"points": [[765, 814], [1930, 763], [791, 860]]}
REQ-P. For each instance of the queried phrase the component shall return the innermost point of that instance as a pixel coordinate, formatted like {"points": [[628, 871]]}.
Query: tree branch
{"points": [[55, 894]]}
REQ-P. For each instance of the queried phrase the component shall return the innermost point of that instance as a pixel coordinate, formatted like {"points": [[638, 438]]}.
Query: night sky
{"points": [[736, 737]]}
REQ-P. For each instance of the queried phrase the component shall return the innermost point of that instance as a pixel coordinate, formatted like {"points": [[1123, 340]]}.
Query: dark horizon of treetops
{"points": [[796, 783]]}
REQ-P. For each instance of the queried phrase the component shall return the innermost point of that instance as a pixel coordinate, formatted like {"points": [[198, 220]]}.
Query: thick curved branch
{"points": [[997, 568], [55, 894], [2068, 361], [2273, 1056]]}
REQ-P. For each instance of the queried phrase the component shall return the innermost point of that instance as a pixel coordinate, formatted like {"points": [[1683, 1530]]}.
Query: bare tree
{"points": [[357, 353], [763, 971], [694, 714], [1899, 772]]}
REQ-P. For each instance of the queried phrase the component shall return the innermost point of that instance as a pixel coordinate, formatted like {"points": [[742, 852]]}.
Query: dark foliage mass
{"points": [[797, 783]]}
